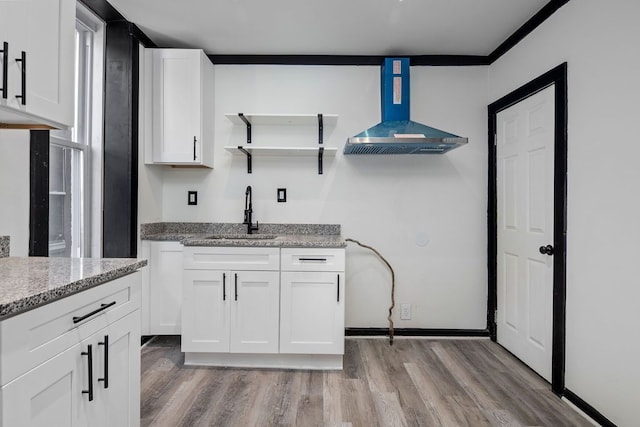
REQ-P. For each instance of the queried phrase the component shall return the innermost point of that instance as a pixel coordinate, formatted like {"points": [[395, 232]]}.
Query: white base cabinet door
{"points": [[118, 373], [230, 311], [205, 312], [47, 395], [164, 297], [94, 383], [255, 312], [312, 313]]}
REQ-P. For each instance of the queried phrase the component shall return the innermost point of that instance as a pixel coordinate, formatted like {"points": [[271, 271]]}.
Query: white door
{"points": [[165, 289], [255, 312], [50, 60], [524, 165], [205, 311], [49, 394], [117, 373], [176, 110], [312, 312]]}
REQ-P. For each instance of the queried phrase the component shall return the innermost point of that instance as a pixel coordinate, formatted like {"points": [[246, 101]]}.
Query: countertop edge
{"points": [[31, 302], [281, 241]]}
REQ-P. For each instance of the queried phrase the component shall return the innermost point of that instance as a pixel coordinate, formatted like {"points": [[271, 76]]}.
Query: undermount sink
{"points": [[242, 237]]}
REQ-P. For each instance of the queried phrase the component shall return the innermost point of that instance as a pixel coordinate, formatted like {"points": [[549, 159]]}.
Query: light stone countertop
{"points": [[227, 234], [29, 282]]}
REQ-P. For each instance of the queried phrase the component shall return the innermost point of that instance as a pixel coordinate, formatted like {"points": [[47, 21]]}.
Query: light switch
{"points": [[192, 197], [282, 195]]}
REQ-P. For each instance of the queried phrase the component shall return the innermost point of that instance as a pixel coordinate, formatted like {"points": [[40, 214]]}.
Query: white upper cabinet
{"points": [[182, 108], [37, 65]]}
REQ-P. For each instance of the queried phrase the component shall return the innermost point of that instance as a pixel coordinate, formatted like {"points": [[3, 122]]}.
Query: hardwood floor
{"points": [[415, 382]]}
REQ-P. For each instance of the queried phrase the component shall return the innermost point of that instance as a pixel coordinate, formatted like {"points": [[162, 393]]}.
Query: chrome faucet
{"points": [[248, 211]]}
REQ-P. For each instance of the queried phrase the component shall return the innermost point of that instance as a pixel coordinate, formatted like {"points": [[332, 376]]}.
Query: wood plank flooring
{"points": [[415, 382]]}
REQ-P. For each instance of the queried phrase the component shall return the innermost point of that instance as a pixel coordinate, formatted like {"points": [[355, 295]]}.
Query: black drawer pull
{"points": [[103, 307], [89, 354], [5, 69], [105, 378], [224, 286], [338, 288], [313, 259]]}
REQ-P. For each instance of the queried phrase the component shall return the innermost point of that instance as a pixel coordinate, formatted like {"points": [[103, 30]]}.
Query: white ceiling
{"points": [[330, 27]]}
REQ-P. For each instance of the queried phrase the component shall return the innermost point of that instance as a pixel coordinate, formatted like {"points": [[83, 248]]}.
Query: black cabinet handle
{"points": [[23, 61], [105, 378], [338, 288], [236, 287], [194, 148], [5, 68], [224, 286], [78, 319], [89, 354], [313, 259]]}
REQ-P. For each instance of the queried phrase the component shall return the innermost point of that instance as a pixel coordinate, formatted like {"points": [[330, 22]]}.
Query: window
{"points": [[75, 154]]}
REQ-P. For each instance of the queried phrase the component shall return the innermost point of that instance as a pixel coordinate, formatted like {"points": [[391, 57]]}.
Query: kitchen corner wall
{"points": [[14, 189], [394, 203], [600, 42]]}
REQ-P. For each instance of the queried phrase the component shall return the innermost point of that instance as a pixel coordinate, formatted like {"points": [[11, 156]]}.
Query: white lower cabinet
{"points": [[259, 316], [312, 312], [94, 382], [312, 301], [230, 311], [162, 288]]}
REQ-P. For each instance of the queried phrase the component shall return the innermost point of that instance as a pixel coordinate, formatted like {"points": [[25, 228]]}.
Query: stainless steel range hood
{"points": [[396, 134]]}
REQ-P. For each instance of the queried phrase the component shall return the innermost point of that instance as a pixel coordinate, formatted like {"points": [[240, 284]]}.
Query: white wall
{"points": [[389, 202], [14, 189], [601, 43]]}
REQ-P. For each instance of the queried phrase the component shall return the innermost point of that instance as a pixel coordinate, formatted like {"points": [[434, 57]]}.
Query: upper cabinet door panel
{"points": [[177, 106], [50, 60], [40, 64], [180, 99], [13, 16]]}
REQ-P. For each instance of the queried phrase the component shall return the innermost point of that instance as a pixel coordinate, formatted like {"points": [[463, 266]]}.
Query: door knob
{"points": [[546, 250]]}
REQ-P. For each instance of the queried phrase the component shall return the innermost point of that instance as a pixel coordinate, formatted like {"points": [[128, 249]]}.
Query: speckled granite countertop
{"points": [[29, 282], [4, 246], [226, 234]]}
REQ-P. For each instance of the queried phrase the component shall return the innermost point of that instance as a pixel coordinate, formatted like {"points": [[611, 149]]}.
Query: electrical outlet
{"points": [[405, 311], [282, 195], [192, 197]]}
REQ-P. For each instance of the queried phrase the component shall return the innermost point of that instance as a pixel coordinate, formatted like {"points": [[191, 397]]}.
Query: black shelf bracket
{"points": [[320, 129], [248, 123], [241, 148], [320, 153]]}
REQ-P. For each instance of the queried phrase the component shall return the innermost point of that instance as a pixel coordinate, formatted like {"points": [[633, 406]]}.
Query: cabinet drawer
{"points": [[33, 337], [231, 258], [312, 259]]}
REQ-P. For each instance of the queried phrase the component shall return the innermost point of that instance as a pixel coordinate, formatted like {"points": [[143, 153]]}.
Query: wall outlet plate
{"points": [[405, 311], [282, 195], [192, 197]]}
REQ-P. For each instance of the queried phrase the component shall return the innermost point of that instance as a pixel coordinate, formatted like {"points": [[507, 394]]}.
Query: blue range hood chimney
{"points": [[397, 134]]}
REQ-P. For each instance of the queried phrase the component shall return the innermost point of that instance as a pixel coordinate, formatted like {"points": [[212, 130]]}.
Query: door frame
{"points": [[558, 77]]}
